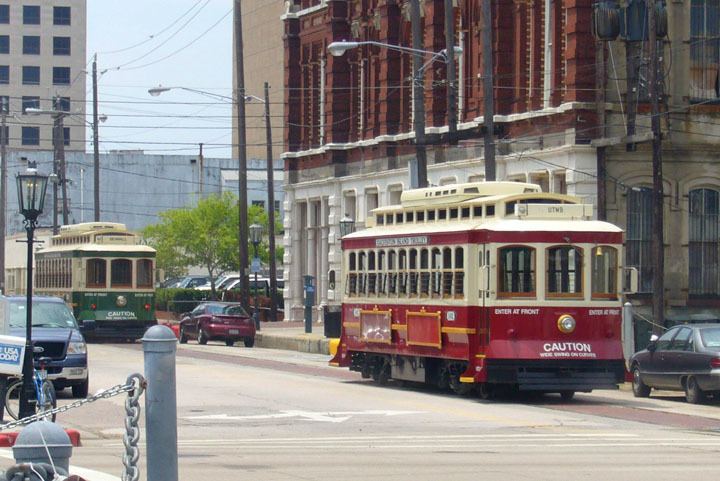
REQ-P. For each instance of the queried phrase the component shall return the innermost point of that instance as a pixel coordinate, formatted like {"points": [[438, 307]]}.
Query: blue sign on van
{"points": [[10, 354]]}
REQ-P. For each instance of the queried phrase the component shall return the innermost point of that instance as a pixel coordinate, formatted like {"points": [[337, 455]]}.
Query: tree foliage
{"points": [[205, 236]]}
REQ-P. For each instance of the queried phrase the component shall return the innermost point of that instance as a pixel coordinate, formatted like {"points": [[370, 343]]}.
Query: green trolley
{"points": [[105, 273]]}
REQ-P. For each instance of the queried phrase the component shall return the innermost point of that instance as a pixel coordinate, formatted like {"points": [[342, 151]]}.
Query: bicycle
{"points": [[45, 398]]}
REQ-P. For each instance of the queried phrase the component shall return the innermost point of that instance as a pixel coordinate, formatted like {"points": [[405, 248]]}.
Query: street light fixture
{"points": [[256, 231], [347, 226], [337, 49], [31, 188]]}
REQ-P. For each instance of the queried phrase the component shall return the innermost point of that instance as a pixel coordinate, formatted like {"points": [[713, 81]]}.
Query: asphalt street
{"points": [[281, 415]]}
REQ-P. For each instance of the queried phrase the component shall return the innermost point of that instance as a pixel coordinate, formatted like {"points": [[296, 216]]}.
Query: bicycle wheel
{"points": [[47, 400], [12, 399]]}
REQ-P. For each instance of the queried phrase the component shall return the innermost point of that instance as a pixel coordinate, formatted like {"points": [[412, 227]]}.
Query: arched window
{"points": [[564, 271], [351, 287], [604, 272], [516, 270], [704, 243], [144, 273], [96, 273], [121, 273], [638, 238]]}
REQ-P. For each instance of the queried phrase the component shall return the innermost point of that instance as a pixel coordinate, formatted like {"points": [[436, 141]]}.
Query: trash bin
{"points": [[332, 316]]}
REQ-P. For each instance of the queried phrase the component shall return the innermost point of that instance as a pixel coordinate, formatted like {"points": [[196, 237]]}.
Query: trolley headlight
{"points": [[566, 323], [121, 301], [77, 348]]}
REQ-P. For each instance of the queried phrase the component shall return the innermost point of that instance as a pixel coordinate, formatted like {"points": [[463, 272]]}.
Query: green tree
{"points": [[206, 236]]}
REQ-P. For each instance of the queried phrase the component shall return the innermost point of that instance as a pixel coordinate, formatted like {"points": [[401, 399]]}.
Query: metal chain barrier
{"points": [[131, 472], [135, 385]]}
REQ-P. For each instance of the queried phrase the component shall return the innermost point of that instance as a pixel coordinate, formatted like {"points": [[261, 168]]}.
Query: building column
{"points": [[311, 246], [295, 261]]}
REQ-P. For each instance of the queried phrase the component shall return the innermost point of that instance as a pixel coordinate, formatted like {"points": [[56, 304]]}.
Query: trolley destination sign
{"points": [[402, 241]]}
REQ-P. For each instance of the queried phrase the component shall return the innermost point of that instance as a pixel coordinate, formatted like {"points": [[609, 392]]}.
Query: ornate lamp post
{"points": [[256, 231], [31, 187], [347, 226]]}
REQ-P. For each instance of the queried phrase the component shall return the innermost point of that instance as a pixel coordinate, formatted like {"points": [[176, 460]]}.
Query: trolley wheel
{"points": [[460, 388], [381, 373], [202, 337], [183, 336], [640, 389], [486, 391], [567, 395], [693, 393]]}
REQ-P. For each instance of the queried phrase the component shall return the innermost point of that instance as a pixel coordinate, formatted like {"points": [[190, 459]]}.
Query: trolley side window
{"points": [[516, 271], [459, 274], [96, 273], [604, 272], [121, 273], [351, 286], [564, 271], [144, 273]]}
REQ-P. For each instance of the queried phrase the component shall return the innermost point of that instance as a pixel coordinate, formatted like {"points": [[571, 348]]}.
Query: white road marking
{"points": [[83, 472], [327, 417]]}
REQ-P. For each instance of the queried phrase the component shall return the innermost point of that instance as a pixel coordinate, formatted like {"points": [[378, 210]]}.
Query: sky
{"points": [[173, 43]]}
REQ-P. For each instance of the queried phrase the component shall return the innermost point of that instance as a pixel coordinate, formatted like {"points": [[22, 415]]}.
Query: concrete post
{"points": [[44, 442], [159, 346], [628, 337]]}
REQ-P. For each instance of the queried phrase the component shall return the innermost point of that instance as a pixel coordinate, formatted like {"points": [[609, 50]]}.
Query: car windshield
{"points": [[233, 310], [711, 337], [44, 314]]}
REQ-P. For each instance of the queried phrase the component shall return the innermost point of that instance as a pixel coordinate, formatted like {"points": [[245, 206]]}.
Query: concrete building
{"points": [[135, 187], [42, 57]]}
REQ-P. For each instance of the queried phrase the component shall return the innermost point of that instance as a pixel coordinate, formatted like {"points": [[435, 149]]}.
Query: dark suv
{"points": [[55, 330]]}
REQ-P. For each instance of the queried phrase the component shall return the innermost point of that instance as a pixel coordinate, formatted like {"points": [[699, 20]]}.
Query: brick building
{"points": [[349, 131]]}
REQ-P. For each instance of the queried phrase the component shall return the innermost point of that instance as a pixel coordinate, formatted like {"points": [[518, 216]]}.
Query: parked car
{"points": [[55, 329], [225, 321], [685, 358], [170, 282], [191, 282], [221, 283]]}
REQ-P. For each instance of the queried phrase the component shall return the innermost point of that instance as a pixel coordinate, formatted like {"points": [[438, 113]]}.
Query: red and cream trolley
{"points": [[485, 285]]}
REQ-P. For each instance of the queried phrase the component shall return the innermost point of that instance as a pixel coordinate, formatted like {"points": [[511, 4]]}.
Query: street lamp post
{"points": [[347, 226], [31, 188], [256, 231], [338, 49]]}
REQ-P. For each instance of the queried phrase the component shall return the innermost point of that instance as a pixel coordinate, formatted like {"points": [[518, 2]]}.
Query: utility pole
{"points": [[488, 92], [600, 109], [271, 207], [3, 188], [58, 121], [201, 161], [242, 156], [452, 106], [658, 248], [96, 145], [419, 95]]}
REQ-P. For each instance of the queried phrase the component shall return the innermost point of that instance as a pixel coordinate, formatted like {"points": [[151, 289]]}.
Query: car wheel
{"points": [[567, 395], [183, 336], [202, 337], [640, 389], [81, 390], [693, 393], [229, 342], [249, 341]]}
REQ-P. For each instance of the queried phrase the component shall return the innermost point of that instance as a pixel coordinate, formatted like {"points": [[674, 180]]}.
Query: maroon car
{"points": [[226, 321]]}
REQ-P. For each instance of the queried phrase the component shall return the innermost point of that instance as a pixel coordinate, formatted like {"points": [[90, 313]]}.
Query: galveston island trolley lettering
{"points": [[485, 285], [105, 274]]}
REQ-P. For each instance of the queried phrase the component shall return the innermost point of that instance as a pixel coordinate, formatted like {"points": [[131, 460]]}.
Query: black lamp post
{"points": [[347, 226], [31, 188], [256, 231]]}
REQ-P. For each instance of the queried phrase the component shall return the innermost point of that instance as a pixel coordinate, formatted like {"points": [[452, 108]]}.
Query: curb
{"points": [[301, 343], [7, 440]]}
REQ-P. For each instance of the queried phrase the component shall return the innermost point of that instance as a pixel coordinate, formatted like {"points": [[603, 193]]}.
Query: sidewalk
{"points": [[287, 335]]}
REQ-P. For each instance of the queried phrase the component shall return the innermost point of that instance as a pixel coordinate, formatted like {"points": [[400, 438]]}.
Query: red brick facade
{"points": [[367, 92]]}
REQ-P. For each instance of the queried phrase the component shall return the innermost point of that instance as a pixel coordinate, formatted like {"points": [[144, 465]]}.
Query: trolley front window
{"points": [[564, 271], [517, 272], [604, 272], [121, 273], [144, 273], [96, 273]]}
